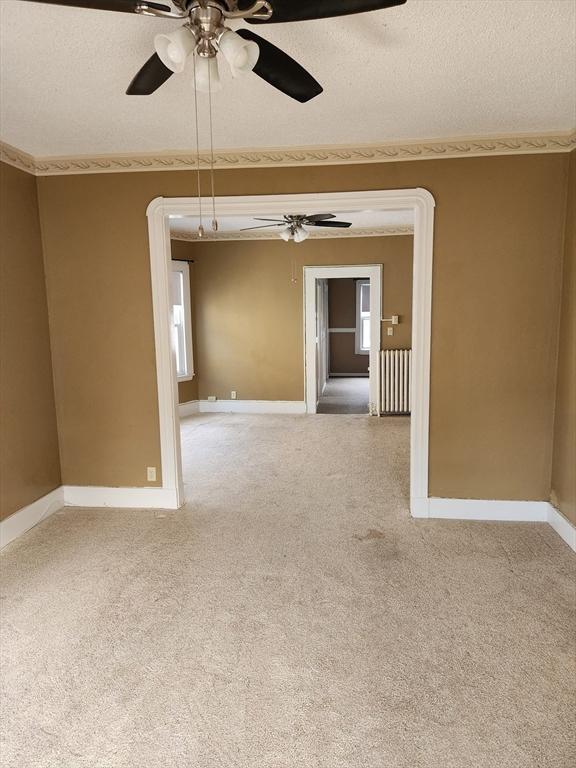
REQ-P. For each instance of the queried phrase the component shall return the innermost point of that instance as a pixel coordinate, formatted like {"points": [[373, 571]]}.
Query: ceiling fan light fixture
{"points": [[301, 234], [207, 76], [286, 234], [241, 55], [174, 49]]}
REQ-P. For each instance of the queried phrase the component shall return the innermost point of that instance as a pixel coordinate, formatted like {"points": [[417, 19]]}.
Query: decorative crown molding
{"points": [[17, 158], [315, 234], [522, 144]]}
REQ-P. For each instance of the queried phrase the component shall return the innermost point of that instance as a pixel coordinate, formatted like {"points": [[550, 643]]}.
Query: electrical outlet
{"points": [[212, 398], [390, 331], [233, 395], [151, 474]]}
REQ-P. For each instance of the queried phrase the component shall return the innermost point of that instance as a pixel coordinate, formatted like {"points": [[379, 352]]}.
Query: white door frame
{"points": [[323, 356], [311, 275], [418, 200]]}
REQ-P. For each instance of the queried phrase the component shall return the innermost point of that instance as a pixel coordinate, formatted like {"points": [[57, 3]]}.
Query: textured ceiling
{"points": [[428, 69]]}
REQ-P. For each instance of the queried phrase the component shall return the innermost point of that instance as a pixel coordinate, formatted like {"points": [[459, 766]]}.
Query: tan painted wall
{"points": [[342, 300], [343, 357], [396, 300], [29, 459], [249, 314], [564, 456], [498, 243], [188, 390]]}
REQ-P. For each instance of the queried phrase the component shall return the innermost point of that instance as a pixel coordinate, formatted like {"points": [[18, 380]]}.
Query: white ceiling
{"points": [[428, 69], [362, 221]]}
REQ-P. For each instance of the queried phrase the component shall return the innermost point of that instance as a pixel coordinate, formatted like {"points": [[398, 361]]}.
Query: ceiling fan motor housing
{"points": [[207, 22]]}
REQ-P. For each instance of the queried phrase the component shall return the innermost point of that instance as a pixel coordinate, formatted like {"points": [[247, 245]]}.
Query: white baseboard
{"points": [[189, 409], [419, 507], [563, 527], [137, 498], [83, 496], [27, 517], [162, 498], [489, 510], [252, 406]]}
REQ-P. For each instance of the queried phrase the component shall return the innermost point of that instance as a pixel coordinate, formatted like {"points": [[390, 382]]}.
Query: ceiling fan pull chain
{"points": [[200, 225], [214, 219]]}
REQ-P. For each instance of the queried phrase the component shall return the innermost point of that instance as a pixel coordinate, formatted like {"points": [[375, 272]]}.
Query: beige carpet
{"points": [[292, 616]]}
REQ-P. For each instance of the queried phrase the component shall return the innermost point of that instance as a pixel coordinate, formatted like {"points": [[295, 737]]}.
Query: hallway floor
{"points": [[291, 615], [345, 395]]}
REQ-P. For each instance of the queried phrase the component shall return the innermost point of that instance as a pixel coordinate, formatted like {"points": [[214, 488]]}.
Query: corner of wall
{"points": [[563, 460], [31, 460], [50, 323]]}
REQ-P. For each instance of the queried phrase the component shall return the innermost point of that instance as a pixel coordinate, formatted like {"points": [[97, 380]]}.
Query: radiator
{"points": [[396, 380]]}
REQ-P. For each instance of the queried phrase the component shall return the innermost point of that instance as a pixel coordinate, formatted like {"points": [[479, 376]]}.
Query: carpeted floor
{"points": [[345, 394], [291, 616]]}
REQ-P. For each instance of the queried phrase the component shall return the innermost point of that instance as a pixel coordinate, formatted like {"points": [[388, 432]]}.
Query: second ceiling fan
{"points": [[293, 225], [205, 35]]}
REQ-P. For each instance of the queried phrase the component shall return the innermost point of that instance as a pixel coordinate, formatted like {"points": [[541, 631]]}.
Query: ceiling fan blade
{"points": [[262, 226], [281, 71], [152, 75], [320, 217], [340, 224], [280, 221], [124, 6], [302, 10]]}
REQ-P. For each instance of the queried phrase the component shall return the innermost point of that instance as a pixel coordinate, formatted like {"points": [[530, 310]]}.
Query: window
{"points": [[362, 317], [182, 321]]}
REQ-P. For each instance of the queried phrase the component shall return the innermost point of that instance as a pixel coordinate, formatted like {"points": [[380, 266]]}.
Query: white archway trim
{"points": [[419, 200]]}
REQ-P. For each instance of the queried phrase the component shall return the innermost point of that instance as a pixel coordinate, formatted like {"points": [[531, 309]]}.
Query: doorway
{"points": [[347, 390], [417, 200], [342, 393]]}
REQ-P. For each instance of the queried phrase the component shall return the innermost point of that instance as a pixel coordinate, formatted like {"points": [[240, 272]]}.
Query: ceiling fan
{"points": [[293, 226], [205, 34]]}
